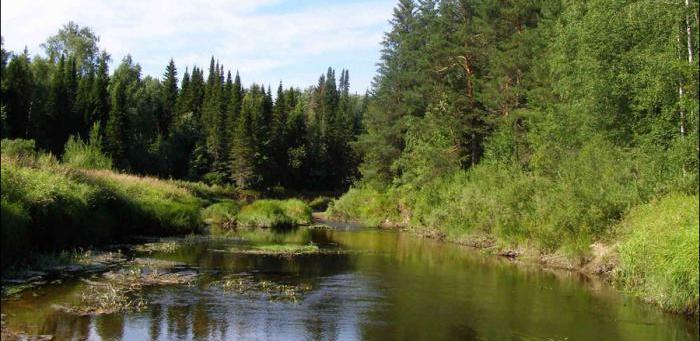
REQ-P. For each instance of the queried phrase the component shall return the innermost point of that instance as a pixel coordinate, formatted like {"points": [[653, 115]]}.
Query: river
{"points": [[362, 284]]}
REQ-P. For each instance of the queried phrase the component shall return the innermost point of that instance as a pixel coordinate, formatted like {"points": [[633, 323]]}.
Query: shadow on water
{"points": [[362, 284]]}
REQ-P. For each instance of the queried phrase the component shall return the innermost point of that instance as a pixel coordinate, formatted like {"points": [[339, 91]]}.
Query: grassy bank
{"points": [[658, 253], [629, 204], [48, 205], [267, 213]]}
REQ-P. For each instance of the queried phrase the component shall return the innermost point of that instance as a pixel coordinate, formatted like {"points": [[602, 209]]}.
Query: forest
{"points": [[564, 132], [546, 128], [213, 130]]}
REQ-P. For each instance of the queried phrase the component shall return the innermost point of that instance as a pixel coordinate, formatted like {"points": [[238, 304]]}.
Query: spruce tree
{"points": [[169, 99], [100, 97], [19, 83]]}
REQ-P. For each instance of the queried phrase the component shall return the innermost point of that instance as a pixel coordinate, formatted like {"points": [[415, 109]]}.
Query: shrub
{"points": [[368, 205], [320, 203], [297, 210], [275, 214], [264, 213], [18, 148], [86, 155], [659, 253], [221, 212]]}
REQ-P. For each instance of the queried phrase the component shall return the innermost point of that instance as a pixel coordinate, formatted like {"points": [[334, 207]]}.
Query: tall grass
{"points": [[659, 252], [49, 206], [562, 208], [274, 214], [87, 155]]}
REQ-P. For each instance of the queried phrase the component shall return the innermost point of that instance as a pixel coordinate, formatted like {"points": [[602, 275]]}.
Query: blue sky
{"points": [[266, 40]]}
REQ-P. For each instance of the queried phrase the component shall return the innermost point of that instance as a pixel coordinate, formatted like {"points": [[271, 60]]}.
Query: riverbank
{"points": [[650, 252], [50, 206]]}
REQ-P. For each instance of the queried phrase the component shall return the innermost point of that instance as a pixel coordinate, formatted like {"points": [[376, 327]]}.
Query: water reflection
{"points": [[387, 286]]}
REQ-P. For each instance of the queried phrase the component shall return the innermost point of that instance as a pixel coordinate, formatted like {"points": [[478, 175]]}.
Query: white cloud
{"points": [[251, 35]]}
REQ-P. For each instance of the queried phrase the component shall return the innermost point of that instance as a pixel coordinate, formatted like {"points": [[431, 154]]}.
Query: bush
{"points": [[275, 214], [18, 148], [659, 253], [365, 204], [297, 210], [264, 213], [85, 155], [221, 212]]}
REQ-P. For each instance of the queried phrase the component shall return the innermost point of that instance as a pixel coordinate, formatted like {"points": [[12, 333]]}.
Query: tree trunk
{"points": [[689, 34], [681, 92]]}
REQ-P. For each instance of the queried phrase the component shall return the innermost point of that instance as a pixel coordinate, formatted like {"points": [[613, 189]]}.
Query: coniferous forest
{"points": [[556, 133], [194, 125]]}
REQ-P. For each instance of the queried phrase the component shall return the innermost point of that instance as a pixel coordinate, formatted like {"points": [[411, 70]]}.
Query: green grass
{"points": [[320, 203], [283, 249], [560, 210], [274, 214], [221, 212], [659, 253], [297, 210], [48, 206]]}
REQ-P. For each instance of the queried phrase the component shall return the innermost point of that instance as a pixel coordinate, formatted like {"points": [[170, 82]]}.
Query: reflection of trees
{"points": [[65, 326], [110, 327], [178, 320], [156, 315]]}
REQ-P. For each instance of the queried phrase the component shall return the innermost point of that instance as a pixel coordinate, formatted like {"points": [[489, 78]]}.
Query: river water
{"points": [[365, 284]]}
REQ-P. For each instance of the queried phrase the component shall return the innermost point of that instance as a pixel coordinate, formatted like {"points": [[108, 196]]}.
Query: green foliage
{"points": [[365, 204], [320, 203], [79, 154], [274, 214], [659, 252], [49, 206], [297, 210], [18, 148], [221, 212]]}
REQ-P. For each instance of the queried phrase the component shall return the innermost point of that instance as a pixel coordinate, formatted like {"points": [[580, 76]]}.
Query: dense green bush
{"points": [[297, 210], [274, 213], [18, 148], [86, 155], [221, 212], [659, 252], [365, 204]]}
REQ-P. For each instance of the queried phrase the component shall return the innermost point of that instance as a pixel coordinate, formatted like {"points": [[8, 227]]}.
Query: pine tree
{"points": [[124, 88], [83, 106], [243, 165], [19, 83], [184, 97], [100, 97], [170, 95], [117, 127], [60, 108]]}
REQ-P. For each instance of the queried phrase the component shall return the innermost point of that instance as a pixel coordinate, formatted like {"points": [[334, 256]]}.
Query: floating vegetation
{"points": [[106, 298], [281, 249], [249, 285], [161, 247], [122, 290]]}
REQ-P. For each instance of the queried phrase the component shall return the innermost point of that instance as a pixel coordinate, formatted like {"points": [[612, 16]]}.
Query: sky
{"points": [[267, 41]]}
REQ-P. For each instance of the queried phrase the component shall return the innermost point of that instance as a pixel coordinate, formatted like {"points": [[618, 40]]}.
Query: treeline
{"points": [[205, 127], [529, 82], [537, 127]]}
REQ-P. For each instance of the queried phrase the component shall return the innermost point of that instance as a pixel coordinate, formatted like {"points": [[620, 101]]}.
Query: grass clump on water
{"points": [[659, 253], [221, 212], [274, 214], [282, 249]]}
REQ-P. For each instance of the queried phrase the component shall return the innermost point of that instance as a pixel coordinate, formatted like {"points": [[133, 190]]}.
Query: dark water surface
{"points": [[381, 286]]}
